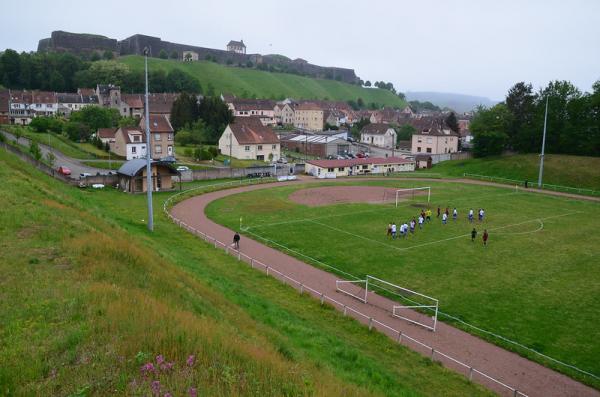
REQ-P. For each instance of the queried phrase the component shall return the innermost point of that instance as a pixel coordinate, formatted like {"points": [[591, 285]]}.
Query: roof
{"points": [[125, 131], [375, 128], [133, 100], [436, 130], [363, 161], [309, 106], [250, 130], [315, 139], [236, 43], [133, 167], [158, 123], [253, 104], [161, 103], [4, 99], [86, 91], [106, 132]]}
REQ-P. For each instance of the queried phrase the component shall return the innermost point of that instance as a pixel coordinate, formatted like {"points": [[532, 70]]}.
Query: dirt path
{"points": [[531, 378]]}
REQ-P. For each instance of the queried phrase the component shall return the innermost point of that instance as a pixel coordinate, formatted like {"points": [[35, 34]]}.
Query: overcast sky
{"points": [[478, 47]]}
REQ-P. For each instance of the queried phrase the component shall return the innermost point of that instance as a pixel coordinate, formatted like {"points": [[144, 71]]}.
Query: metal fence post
{"points": [[345, 310], [516, 393], [239, 256], [252, 263], [370, 323], [267, 270], [301, 288], [399, 336], [432, 353], [322, 298], [470, 373]]}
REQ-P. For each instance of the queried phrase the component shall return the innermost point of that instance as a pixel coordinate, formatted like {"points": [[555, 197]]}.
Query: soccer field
{"points": [[537, 282]]}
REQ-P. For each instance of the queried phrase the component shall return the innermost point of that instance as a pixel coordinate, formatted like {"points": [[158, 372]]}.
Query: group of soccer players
{"points": [[410, 226]]}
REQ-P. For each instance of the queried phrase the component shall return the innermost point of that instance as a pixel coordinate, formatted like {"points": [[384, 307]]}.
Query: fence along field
{"points": [[523, 286]]}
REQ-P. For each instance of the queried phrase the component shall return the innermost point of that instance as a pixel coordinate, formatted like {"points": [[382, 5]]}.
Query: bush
{"points": [[202, 154], [214, 151], [46, 124], [35, 151], [77, 131]]}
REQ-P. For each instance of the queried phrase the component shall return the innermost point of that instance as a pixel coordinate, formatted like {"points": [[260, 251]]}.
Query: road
{"points": [[76, 166]]}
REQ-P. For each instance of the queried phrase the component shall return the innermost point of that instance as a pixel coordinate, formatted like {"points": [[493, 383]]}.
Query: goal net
{"points": [[413, 192], [409, 305]]}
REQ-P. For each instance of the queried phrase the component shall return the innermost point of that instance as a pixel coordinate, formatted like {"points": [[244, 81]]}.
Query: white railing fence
{"points": [[533, 184], [400, 337]]}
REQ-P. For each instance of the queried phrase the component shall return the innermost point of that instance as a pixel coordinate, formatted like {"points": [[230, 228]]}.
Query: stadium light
{"points": [[149, 185], [543, 147]]}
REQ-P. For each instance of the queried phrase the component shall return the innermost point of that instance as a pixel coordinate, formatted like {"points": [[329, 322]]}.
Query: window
{"points": [[259, 147], [428, 150], [170, 137], [330, 169], [157, 137], [136, 138], [341, 169], [247, 148], [419, 139], [429, 140], [170, 150], [418, 148], [133, 149], [364, 167], [158, 149], [274, 147]]}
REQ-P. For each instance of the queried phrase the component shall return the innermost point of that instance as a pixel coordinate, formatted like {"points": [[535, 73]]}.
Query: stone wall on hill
{"points": [[87, 43]]}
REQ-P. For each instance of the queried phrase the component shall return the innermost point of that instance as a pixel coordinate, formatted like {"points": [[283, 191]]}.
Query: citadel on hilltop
{"points": [[86, 44]]}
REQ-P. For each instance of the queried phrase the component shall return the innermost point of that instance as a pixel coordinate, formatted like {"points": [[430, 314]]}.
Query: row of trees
{"points": [[199, 122], [65, 73], [516, 124]]}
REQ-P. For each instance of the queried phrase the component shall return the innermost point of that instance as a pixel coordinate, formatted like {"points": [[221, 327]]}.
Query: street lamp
{"points": [[149, 185]]}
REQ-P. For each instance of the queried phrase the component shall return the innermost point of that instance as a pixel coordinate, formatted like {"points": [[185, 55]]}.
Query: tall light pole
{"points": [[149, 185], [543, 147]]}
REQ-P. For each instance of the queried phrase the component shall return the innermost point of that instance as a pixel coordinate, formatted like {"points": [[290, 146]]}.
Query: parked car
{"points": [[84, 174], [360, 155], [64, 170], [183, 168], [351, 156]]}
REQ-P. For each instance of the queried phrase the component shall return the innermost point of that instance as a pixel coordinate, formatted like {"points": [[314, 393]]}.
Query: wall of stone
{"points": [[77, 43]]}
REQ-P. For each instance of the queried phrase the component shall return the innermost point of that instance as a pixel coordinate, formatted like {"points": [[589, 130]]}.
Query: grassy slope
{"points": [[575, 171], [236, 80], [87, 296], [526, 285]]}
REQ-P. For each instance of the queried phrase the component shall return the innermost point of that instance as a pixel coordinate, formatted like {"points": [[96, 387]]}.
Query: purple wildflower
{"points": [[168, 395], [147, 368], [160, 359], [190, 360], [193, 392], [155, 386]]}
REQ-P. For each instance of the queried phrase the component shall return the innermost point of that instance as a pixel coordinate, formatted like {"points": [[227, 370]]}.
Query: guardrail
{"points": [[400, 337], [533, 184]]}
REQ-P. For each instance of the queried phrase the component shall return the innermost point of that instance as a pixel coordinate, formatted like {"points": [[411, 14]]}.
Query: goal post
{"points": [[412, 191]]}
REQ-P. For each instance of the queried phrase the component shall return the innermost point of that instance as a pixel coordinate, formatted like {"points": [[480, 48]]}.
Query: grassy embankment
{"points": [[526, 283], [565, 170], [88, 296], [235, 80]]}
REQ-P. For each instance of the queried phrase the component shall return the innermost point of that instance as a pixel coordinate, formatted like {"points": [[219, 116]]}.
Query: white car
{"points": [[183, 168], [84, 174]]}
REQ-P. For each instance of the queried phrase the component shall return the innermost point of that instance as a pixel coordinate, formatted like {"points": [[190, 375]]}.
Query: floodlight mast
{"points": [[149, 184], [543, 147]]}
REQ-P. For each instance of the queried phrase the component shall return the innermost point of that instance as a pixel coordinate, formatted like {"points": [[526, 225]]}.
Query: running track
{"points": [[527, 376]]}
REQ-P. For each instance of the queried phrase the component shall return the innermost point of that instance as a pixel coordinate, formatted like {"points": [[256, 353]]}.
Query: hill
{"points": [[91, 304], [458, 102], [242, 81], [564, 170]]}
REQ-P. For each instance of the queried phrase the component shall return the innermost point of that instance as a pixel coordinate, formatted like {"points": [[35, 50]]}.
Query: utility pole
{"points": [[543, 147], [149, 185]]}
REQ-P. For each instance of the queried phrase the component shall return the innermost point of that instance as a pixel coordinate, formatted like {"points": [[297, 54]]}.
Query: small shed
{"points": [[132, 175], [423, 161]]}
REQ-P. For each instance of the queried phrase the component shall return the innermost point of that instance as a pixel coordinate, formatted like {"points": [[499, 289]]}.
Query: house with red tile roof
{"points": [[161, 136], [248, 139]]}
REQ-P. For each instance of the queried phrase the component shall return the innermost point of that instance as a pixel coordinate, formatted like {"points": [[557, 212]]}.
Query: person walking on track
{"points": [[236, 241]]}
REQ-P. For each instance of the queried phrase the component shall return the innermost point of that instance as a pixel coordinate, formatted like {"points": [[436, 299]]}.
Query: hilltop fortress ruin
{"points": [[86, 44]]}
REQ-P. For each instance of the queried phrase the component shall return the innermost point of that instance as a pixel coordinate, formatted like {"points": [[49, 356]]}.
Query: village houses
{"points": [[378, 134], [435, 139], [161, 136], [248, 139], [309, 116], [128, 142]]}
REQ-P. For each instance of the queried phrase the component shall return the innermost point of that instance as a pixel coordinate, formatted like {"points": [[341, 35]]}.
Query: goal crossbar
{"points": [[413, 190], [339, 284]]}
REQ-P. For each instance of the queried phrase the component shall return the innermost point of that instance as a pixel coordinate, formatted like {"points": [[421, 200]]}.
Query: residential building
{"points": [[435, 139], [262, 108], [335, 117], [248, 138], [340, 168], [109, 95], [309, 116], [132, 105], [237, 46], [132, 176], [378, 134], [129, 142], [284, 113], [161, 136], [4, 107], [107, 135], [385, 115], [189, 56], [68, 103]]}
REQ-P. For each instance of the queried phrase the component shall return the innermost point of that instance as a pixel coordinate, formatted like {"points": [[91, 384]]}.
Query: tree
{"points": [[367, 83], [50, 158], [179, 81], [184, 111], [163, 54], [77, 131], [405, 132], [452, 123], [174, 55], [216, 114], [95, 57], [360, 102], [488, 127], [108, 55], [11, 68], [357, 127], [188, 57], [520, 101], [95, 117], [35, 151]]}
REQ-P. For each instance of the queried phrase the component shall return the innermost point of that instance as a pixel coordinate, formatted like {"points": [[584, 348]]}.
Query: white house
{"points": [[248, 139], [130, 142], [435, 140], [378, 134]]}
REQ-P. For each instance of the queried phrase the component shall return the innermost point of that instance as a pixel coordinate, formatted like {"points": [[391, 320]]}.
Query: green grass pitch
{"points": [[537, 282]]}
